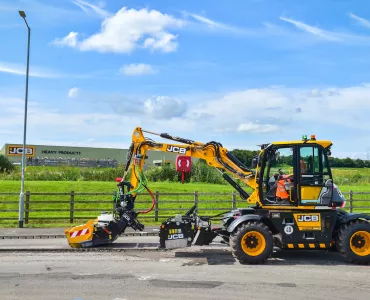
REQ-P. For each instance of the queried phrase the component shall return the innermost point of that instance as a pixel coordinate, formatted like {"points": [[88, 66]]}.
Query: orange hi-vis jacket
{"points": [[303, 166], [281, 192]]}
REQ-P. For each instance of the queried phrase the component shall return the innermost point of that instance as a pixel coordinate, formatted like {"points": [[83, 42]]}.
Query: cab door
{"points": [[315, 183]]}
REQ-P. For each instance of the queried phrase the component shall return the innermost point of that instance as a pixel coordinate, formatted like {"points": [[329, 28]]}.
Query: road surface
{"points": [[62, 243], [191, 273]]}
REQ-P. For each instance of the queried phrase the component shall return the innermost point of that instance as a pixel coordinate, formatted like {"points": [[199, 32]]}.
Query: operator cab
{"points": [[297, 174]]}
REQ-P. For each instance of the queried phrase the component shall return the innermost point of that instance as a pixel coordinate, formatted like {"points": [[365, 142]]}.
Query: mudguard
{"points": [[345, 217], [242, 219]]}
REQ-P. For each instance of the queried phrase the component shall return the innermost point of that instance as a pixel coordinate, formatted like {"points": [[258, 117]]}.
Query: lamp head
{"points": [[22, 13]]}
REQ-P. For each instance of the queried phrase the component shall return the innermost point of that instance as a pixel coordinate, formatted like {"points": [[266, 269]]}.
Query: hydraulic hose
{"points": [[143, 185], [142, 182], [153, 201]]}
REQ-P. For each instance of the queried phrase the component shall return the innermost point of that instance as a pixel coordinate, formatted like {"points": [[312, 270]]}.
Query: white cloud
{"points": [[137, 69], [87, 7], [258, 128], [70, 40], [288, 111], [216, 25], [164, 107], [41, 72], [128, 30], [360, 20], [326, 35], [239, 118], [312, 29], [18, 69], [73, 92], [64, 126]]}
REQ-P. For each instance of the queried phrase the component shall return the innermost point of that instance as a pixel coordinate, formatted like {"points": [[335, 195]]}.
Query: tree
{"points": [[5, 164], [244, 156]]}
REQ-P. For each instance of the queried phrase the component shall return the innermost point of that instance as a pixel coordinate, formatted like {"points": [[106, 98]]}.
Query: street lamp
{"points": [[21, 196]]}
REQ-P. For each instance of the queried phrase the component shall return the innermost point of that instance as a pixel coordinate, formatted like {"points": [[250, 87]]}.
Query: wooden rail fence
{"points": [[68, 207]]}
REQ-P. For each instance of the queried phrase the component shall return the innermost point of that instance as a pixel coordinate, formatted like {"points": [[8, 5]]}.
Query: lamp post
{"points": [[21, 196]]}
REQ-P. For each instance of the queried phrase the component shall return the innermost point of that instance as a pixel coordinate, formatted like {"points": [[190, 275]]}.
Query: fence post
{"points": [[233, 199], [28, 194], [350, 201], [156, 206], [72, 207], [196, 201]]}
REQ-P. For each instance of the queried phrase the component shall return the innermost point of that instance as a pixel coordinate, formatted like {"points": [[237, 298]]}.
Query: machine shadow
{"points": [[281, 258], [309, 257], [224, 256], [128, 245], [209, 256]]}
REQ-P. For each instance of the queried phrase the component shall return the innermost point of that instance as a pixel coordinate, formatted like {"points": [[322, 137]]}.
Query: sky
{"points": [[240, 72]]}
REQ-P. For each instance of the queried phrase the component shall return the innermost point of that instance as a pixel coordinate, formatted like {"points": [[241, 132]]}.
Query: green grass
{"points": [[175, 203]]}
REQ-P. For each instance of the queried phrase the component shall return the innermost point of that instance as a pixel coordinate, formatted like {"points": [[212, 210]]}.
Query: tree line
{"points": [[245, 156]]}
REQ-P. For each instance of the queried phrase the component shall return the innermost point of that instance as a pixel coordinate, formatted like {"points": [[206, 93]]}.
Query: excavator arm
{"points": [[107, 227], [213, 153]]}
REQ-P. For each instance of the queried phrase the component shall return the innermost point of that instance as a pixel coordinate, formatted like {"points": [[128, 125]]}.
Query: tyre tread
{"points": [[238, 253], [344, 234]]}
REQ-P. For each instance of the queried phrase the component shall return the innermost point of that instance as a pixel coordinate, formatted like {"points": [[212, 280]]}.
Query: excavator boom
{"points": [[212, 152]]}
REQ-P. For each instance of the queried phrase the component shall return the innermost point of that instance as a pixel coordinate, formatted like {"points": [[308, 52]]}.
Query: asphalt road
{"points": [[192, 273], [62, 243]]}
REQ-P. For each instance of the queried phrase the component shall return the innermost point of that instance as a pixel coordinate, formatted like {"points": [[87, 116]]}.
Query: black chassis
{"points": [[197, 230]]}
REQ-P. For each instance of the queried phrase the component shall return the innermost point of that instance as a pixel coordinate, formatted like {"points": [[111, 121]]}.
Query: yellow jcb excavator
{"points": [[294, 202]]}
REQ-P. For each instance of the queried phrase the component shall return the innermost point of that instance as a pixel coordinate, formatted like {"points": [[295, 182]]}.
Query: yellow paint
{"points": [[322, 246], [308, 221], [312, 246], [253, 243], [310, 192], [362, 247], [301, 245], [324, 143], [291, 246], [75, 242], [288, 207]]}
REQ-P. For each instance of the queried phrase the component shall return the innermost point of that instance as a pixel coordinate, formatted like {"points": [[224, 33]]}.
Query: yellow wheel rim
{"points": [[360, 243], [253, 243]]}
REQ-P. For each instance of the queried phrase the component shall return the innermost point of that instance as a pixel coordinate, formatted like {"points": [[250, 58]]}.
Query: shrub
{"points": [[5, 164]]}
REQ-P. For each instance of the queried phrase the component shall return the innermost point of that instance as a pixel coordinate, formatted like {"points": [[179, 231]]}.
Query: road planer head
{"points": [[107, 227], [101, 231]]}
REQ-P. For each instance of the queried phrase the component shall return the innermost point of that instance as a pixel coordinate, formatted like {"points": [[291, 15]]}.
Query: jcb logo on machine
{"points": [[308, 218], [176, 149], [175, 234], [308, 221]]}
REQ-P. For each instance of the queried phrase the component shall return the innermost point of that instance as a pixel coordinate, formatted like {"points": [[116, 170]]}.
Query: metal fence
{"points": [[48, 208]]}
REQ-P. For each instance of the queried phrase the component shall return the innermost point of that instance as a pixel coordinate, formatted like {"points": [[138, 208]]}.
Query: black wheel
{"points": [[252, 243], [354, 242]]}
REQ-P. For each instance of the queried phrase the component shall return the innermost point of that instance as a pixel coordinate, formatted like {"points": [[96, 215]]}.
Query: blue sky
{"points": [[239, 72]]}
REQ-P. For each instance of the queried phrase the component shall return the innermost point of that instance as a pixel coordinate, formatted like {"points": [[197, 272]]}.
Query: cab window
{"points": [[313, 165], [279, 163]]}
